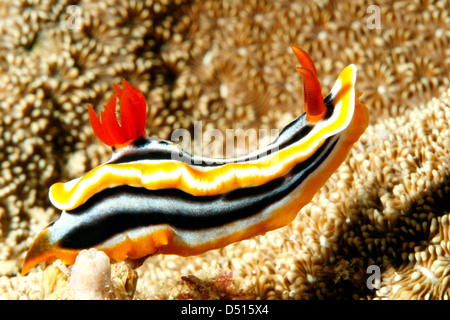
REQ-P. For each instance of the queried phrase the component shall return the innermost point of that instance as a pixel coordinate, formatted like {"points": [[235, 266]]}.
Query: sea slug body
{"points": [[154, 197]]}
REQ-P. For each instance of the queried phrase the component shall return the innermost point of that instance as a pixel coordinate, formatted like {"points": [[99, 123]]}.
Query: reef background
{"points": [[229, 65]]}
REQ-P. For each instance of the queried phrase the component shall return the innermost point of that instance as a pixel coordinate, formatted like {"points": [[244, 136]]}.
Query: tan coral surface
{"points": [[228, 64]]}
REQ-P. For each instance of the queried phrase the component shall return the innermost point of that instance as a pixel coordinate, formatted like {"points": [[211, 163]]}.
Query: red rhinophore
{"points": [[314, 106], [133, 116]]}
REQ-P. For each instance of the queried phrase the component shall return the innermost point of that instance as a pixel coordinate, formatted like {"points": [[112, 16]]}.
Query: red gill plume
{"points": [[133, 116]]}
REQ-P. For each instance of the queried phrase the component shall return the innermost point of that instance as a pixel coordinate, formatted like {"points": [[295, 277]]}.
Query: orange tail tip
{"points": [[133, 116], [314, 106]]}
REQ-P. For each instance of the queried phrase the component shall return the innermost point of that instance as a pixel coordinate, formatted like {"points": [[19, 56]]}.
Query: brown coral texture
{"points": [[228, 64]]}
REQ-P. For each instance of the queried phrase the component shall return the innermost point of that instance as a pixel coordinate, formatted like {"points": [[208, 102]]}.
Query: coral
{"points": [[92, 277], [191, 287], [229, 65]]}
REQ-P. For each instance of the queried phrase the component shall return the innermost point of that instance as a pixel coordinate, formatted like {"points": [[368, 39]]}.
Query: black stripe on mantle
{"points": [[122, 208]]}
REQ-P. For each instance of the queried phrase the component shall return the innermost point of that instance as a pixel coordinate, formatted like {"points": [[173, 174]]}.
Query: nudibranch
{"points": [[153, 197]]}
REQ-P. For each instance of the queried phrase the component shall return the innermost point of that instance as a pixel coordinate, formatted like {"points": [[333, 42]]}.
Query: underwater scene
{"points": [[349, 101]]}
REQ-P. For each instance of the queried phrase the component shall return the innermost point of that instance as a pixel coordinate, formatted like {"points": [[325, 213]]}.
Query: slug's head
{"points": [[133, 116], [341, 109]]}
